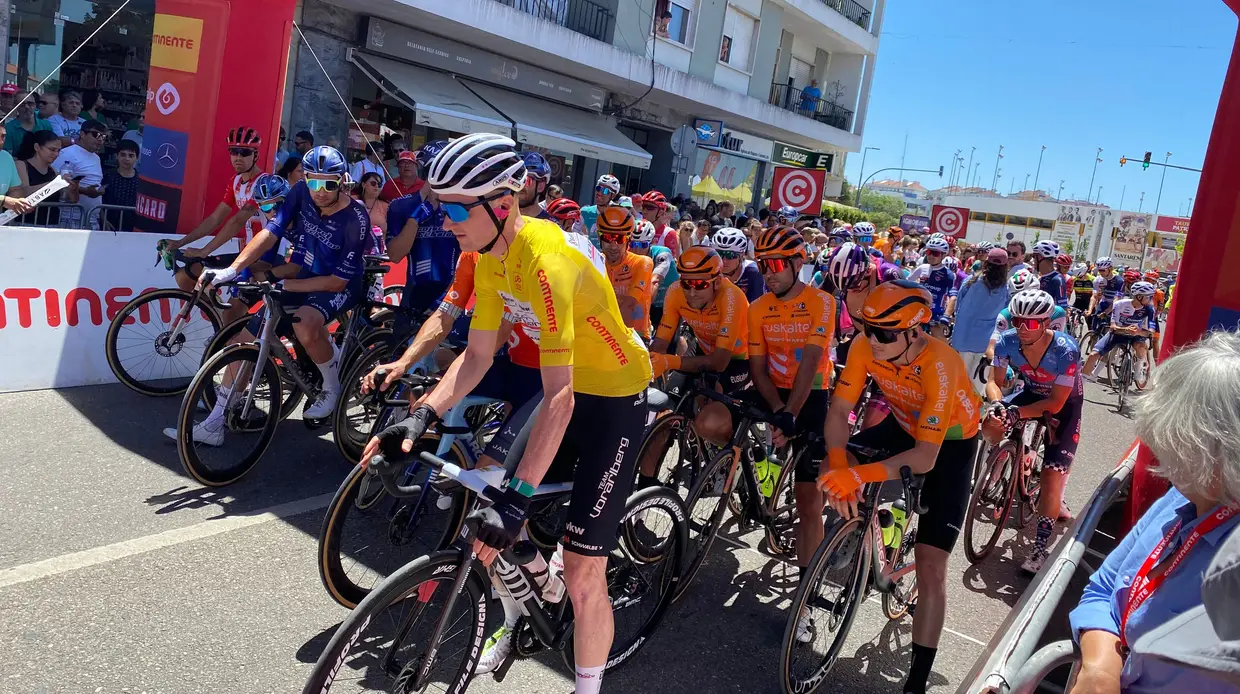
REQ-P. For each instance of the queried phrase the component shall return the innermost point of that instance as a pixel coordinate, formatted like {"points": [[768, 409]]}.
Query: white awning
{"points": [[562, 128], [437, 100]]}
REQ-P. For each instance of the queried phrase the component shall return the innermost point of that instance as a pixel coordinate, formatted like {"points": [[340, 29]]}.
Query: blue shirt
{"points": [[977, 305], [1053, 283], [332, 245], [1109, 288], [1060, 365], [940, 281], [1106, 596], [751, 281], [431, 263]]}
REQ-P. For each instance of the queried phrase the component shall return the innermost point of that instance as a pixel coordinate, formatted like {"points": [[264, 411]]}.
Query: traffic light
{"points": [[940, 172], [1123, 160], [1146, 164]]}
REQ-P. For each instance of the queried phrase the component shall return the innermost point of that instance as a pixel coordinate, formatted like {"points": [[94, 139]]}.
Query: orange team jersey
{"points": [[631, 277], [883, 246], [781, 330], [932, 398], [240, 195], [556, 285], [522, 351], [1160, 299], [722, 324]]}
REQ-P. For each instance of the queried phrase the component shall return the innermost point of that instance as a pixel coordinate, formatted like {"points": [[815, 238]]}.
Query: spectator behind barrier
{"points": [[120, 187], [1198, 452]]}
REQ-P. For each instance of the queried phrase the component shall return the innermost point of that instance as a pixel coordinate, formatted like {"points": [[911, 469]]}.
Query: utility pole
{"points": [[1039, 171], [1098, 200], [1026, 183], [1141, 202], [1012, 188], [1060, 195], [994, 182], [1121, 197], [902, 153], [1097, 159], [1190, 207], [1158, 204], [955, 169], [968, 169], [861, 176]]}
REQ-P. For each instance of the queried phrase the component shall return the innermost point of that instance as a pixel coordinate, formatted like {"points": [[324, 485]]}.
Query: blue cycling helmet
{"points": [[789, 214], [325, 161], [426, 154], [268, 187], [536, 165], [840, 234]]}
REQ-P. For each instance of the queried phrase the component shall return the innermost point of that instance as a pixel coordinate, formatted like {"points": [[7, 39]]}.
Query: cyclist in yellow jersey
{"points": [[594, 374]]}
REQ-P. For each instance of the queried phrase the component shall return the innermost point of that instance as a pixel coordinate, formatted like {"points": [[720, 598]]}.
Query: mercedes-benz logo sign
{"points": [[167, 155]]}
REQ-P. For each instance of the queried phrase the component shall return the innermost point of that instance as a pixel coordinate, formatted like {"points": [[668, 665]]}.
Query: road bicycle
{"points": [[852, 560], [424, 626], [1077, 325], [367, 534], [1009, 477], [1128, 373]]}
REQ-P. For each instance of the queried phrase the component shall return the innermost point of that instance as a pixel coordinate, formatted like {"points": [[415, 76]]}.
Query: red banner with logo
{"points": [[798, 188], [1172, 225], [949, 221]]}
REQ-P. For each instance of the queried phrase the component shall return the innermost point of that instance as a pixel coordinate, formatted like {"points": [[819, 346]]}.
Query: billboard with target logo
{"points": [[798, 188], [949, 221]]}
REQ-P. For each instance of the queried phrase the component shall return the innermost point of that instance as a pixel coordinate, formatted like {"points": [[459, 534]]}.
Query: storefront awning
{"points": [[437, 100], [562, 128]]}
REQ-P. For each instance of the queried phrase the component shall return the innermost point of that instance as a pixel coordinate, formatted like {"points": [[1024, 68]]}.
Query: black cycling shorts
{"points": [[1059, 456], [520, 387], [947, 486], [1081, 302], [810, 420], [599, 455], [329, 304], [735, 377]]}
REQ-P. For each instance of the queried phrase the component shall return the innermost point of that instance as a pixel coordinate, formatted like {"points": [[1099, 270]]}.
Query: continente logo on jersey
{"points": [[544, 288], [612, 343]]}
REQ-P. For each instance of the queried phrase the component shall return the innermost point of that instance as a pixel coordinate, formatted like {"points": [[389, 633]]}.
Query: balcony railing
{"points": [[792, 99], [582, 16], [853, 11]]}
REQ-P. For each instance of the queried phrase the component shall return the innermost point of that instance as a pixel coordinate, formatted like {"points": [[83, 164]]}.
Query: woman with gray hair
{"points": [[1190, 420]]}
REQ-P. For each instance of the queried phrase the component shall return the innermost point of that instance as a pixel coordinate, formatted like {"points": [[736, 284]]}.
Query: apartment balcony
{"points": [[582, 16], [853, 11], [792, 99]]}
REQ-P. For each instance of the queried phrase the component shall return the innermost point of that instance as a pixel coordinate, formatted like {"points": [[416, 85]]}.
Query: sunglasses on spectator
{"points": [[729, 255], [640, 245], [613, 238], [774, 265], [240, 151], [694, 285], [373, 182], [882, 336], [1029, 323], [330, 185]]}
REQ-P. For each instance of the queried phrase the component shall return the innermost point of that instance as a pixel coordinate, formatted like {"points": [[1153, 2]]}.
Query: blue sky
{"points": [[1074, 76]]}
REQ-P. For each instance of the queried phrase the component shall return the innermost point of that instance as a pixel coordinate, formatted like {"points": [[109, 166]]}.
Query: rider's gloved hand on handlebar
{"points": [[843, 484], [399, 438], [218, 277], [500, 524], [786, 422], [661, 363]]}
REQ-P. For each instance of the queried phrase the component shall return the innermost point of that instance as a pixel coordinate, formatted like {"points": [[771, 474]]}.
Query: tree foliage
{"points": [[880, 202]]}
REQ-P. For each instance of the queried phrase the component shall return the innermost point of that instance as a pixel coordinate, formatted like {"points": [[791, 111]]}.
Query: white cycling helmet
{"points": [[1032, 303], [609, 182], [825, 256], [1142, 289], [1046, 249], [477, 165], [644, 233], [863, 229], [937, 243], [1022, 280], [1104, 263], [730, 239], [951, 263], [1078, 269]]}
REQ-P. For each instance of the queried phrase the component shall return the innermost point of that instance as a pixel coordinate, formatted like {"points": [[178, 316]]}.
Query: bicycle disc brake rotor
{"points": [[164, 349], [402, 527]]}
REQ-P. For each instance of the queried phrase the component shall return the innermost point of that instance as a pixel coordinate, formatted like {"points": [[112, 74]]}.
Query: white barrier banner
{"points": [[59, 290]]}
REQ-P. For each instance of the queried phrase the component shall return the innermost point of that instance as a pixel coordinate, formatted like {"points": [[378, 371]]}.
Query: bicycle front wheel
{"points": [[991, 501], [830, 592], [356, 414], [706, 505], [1124, 380], [152, 348], [220, 444], [383, 643]]}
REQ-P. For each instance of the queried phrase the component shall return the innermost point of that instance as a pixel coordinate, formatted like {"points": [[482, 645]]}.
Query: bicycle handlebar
{"points": [[739, 406], [912, 489], [388, 469], [417, 383]]}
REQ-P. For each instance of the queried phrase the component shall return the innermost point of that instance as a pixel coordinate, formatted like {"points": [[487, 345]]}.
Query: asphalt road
{"points": [[118, 574]]}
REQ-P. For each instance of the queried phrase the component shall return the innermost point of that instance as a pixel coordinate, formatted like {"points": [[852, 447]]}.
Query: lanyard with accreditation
{"points": [[1143, 587]]}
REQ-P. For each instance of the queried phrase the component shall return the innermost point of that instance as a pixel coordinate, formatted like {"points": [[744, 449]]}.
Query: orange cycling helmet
{"points": [[896, 305], [1152, 276], [1131, 275], [614, 219], [699, 262], [564, 209], [780, 242], [243, 137]]}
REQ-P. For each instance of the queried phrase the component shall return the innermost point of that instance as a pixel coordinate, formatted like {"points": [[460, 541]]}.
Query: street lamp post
{"points": [[1098, 200], [1097, 158], [1190, 207], [1039, 172], [1026, 187], [1121, 197], [976, 173], [955, 158], [1158, 203], [968, 170], [861, 176], [1060, 195], [995, 181], [1141, 202]]}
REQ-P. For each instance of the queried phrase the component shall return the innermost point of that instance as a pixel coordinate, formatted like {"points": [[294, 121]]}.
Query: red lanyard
{"points": [[1143, 587]]}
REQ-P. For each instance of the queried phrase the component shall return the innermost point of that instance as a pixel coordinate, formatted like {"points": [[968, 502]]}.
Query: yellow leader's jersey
{"points": [[555, 283]]}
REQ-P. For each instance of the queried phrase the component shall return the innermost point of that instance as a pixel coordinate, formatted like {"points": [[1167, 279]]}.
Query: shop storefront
{"points": [[419, 87], [729, 165]]}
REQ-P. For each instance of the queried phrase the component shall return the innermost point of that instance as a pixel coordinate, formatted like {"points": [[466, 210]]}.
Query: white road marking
{"points": [[127, 548], [872, 598]]}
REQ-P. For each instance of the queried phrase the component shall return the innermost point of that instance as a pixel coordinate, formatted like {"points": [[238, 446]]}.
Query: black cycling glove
{"points": [[500, 524], [786, 422], [410, 429]]}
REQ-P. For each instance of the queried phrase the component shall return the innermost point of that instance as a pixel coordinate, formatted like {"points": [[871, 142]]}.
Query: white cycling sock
{"points": [[331, 371], [221, 405], [589, 679]]}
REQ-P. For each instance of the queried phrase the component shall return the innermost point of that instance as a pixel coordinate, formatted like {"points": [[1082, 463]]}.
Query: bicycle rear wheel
{"points": [[141, 348], [991, 501], [781, 533], [897, 600], [706, 507], [1124, 380], [676, 463], [831, 590], [381, 645], [355, 415]]}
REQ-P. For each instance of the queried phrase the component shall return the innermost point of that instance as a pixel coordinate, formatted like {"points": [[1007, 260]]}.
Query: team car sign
{"points": [[949, 221], [798, 188]]}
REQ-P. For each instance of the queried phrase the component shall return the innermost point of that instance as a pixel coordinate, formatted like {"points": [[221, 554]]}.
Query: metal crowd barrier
{"points": [[1014, 664], [66, 215], [112, 218]]}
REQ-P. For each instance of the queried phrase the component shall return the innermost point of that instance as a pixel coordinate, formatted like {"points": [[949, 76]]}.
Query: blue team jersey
{"points": [[1128, 315], [1109, 288], [751, 281], [333, 245], [431, 263], [940, 281], [1054, 284], [1059, 366]]}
